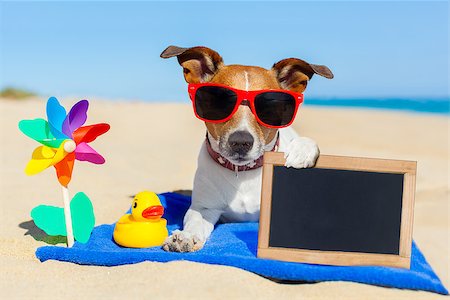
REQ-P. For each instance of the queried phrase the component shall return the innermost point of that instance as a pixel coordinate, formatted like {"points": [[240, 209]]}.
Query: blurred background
{"points": [[383, 54]]}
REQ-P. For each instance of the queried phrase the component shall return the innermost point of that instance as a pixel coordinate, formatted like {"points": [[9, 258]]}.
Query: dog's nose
{"points": [[240, 142]]}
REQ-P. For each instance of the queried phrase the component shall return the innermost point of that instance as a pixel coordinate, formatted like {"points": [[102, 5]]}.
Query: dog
{"points": [[227, 184]]}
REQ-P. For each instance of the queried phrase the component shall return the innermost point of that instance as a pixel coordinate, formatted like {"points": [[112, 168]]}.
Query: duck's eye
{"points": [[135, 205]]}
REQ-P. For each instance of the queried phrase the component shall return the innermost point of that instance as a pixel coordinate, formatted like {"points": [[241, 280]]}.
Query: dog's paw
{"points": [[181, 241], [302, 152]]}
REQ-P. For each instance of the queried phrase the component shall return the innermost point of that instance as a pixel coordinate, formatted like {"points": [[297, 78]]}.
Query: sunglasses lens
{"points": [[214, 103], [275, 108]]}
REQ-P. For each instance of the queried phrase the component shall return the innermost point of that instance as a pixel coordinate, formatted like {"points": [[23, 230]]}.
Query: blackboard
{"points": [[344, 211]]}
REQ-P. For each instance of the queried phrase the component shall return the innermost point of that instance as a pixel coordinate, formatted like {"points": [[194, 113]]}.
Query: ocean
{"points": [[435, 106]]}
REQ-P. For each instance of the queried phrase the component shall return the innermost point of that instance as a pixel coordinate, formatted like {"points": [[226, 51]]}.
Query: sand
{"points": [[155, 146]]}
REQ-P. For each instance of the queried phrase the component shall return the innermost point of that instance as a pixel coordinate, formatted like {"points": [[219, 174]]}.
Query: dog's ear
{"points": [[293, 73], [199, 63]]}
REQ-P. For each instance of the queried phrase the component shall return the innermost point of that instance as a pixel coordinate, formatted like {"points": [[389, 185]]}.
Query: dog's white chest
{"points": [[217, 188], [244, 204]]}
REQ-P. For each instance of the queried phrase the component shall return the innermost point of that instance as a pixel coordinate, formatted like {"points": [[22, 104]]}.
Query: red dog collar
{"points": [[229, 165]]}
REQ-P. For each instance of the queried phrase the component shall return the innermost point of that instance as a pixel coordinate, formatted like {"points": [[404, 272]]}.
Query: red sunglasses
{"points": [[217, 103]]}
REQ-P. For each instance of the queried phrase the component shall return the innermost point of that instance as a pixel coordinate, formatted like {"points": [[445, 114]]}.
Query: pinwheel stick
{"points": [[68, 216]]}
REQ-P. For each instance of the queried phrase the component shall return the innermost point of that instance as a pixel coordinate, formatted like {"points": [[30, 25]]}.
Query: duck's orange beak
{"points": [[153, 212]]}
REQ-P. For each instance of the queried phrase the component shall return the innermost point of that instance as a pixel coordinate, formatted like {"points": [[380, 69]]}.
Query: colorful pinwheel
{"points": [[64, 139]]}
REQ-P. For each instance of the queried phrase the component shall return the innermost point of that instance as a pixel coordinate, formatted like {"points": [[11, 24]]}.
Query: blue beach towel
{"points": [[235, 244]]}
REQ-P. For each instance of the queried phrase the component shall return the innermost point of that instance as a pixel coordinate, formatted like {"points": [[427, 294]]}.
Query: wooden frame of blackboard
{"points": [[408, 168]]}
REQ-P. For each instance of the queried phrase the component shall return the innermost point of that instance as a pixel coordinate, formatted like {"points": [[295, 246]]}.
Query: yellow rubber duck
{"points": [[144, 227]]}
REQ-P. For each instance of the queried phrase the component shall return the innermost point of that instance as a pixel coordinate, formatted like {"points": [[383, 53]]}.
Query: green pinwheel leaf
{"points": [[83, 219], [51, 219], [39, 130]]}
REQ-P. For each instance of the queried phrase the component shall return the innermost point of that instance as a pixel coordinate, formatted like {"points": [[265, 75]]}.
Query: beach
{"points": [[154, 146]]}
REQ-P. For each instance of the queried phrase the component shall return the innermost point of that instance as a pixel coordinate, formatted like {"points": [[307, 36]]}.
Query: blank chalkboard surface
{"points": [[344, 211]]}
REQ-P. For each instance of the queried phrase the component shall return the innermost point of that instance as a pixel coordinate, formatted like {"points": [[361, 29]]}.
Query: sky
{"points": [[111, 49]]}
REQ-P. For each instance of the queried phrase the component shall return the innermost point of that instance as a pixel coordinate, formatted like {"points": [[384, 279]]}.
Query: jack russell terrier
{"points": [[246, 111]]}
